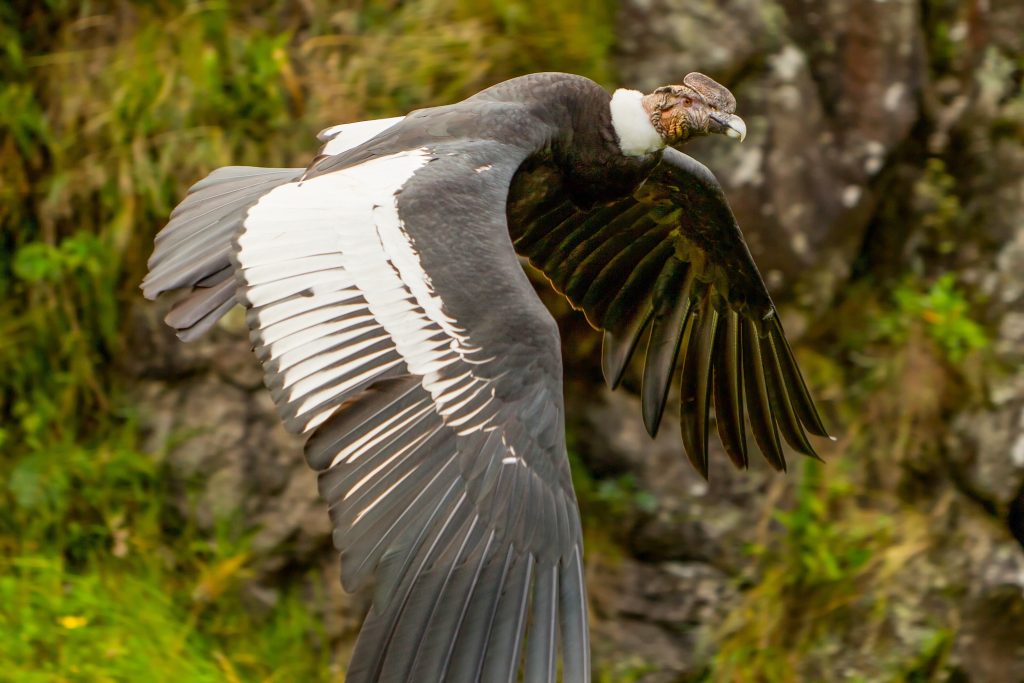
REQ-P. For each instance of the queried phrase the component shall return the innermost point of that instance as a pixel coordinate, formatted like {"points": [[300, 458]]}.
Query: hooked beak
{"points": [[731, 125]]}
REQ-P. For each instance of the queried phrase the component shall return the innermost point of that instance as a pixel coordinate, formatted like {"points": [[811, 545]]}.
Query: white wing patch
{"points": [[339, 296], [345, 136]]}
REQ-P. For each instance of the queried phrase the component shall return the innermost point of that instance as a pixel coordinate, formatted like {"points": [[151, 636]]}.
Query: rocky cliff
{"points": [[885, 149]]}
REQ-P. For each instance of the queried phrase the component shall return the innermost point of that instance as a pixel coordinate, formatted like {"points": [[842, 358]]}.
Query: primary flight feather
{"points": [[399, 333]]}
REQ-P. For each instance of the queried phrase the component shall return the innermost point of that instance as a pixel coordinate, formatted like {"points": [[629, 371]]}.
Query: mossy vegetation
{"points": [[834, 568]]}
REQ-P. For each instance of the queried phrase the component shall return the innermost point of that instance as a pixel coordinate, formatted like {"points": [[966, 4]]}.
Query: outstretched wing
{"points": [[671, 259], [194, 249], [398, 331]]}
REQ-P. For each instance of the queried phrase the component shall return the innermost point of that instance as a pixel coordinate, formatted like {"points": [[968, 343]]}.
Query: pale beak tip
{"points": [[736, 128]]}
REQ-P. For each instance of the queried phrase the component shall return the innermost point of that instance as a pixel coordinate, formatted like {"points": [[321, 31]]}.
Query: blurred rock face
{"points": [[829, 90], [845, 103]]}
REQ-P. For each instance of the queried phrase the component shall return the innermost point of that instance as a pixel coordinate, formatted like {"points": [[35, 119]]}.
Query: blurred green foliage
{"points": [[935, 199], [628, 670], [618, 500], [943, 310], [831, 580]]}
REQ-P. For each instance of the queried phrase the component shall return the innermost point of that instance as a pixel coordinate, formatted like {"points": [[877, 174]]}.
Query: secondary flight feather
{"points": [[398, 333]]}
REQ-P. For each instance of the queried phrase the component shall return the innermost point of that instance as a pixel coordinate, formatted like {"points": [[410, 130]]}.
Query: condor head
{"points": [[699, 106]]}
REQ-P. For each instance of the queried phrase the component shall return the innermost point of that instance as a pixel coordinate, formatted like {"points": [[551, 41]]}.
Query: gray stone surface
{"points": [[829, 91]]}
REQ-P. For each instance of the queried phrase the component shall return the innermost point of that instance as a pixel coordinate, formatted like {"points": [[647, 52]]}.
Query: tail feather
{"points": [[193, 250]]}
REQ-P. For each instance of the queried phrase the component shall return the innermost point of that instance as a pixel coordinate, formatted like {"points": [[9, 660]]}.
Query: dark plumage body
{"points": [[398, 332]]}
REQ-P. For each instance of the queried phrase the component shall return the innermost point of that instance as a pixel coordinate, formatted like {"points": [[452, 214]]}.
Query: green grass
{"points": [[827, 577], [944, 313], [102, 580], [122, 624]]}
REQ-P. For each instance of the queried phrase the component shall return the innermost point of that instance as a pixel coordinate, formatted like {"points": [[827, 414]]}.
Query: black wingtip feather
{"points": [[610, 313], [728, 391], [663, 347], [695, 386], [762, 423], [617, 346], [803, 404], [779, 395]]}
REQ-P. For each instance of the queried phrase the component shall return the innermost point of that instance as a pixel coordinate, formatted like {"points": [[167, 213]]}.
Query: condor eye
{"points": [[687, 102]]}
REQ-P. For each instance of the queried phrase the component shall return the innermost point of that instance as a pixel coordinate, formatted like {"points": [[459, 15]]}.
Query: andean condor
{"points": [[399, 333]]}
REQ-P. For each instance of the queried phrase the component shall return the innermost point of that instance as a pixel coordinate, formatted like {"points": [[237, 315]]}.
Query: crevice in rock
{"points": [[1015, 516], [881, 249], [969, 489]]}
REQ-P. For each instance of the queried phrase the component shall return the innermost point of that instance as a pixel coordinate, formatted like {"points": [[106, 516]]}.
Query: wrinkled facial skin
{"points": [[699, 106]]}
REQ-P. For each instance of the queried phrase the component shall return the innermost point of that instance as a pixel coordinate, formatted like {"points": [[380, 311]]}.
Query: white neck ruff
{"points": [[637, 136]]}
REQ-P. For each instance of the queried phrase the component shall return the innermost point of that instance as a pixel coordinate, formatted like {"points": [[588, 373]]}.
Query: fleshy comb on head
{"points": [[716, 94], [697, 106]]}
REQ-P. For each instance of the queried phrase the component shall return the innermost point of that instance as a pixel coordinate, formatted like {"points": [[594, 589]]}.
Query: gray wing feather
{"points": [[574, 624], [194, 315], [194, 248], [501, 661], [476, 630], [540, 655]]}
